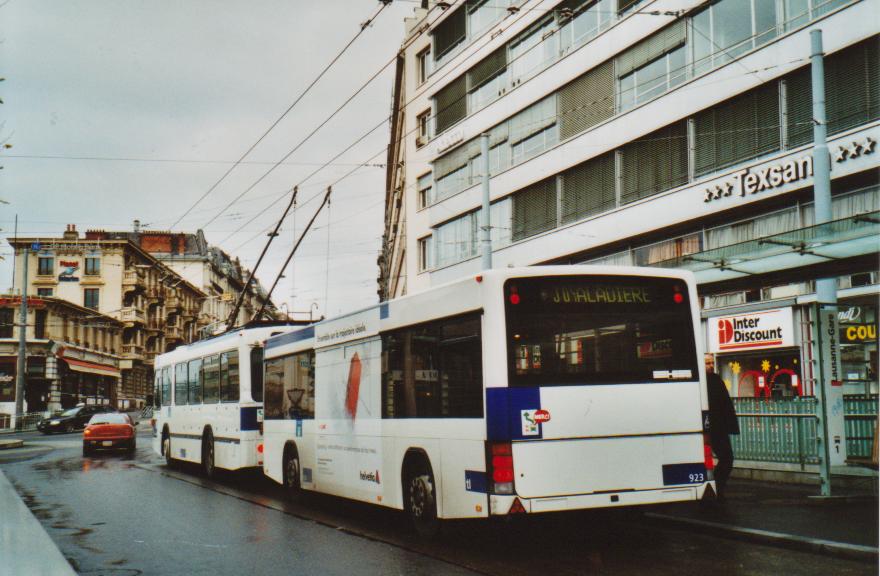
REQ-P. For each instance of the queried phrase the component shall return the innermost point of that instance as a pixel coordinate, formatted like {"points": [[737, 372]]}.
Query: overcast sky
{"points": [[132, 109]]}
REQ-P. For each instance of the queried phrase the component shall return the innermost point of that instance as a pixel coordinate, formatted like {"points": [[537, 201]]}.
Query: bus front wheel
{"points": [[421, 502], [166, 449], [292, 478]]}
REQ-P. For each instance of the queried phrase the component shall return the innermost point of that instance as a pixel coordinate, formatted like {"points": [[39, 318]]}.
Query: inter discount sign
{"points": [[756, 330]]}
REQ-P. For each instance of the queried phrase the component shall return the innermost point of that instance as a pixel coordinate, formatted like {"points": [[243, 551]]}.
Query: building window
{"points": [[40, 317], [534, 209], [426, 246], [654, 163], [423, 63], [45, 292], [449, 33], [456, 240], [653, 79], [587, 23], [93, 266], [737, 130], [450, 104], [7, 322], [90, 298], [424, 121], [425, 185], [45, 266], [730, 28], [527, 57], [487, 80]]}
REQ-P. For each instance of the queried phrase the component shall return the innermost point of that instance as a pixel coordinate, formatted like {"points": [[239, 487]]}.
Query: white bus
{"points": [[208, 398], [513, 391]]}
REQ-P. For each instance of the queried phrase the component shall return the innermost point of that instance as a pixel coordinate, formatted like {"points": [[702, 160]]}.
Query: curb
{"points": [[780, 539], [9, 444]]}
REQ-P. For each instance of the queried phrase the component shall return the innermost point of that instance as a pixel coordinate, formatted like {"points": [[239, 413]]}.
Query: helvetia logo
{"points": [[370, 476]]}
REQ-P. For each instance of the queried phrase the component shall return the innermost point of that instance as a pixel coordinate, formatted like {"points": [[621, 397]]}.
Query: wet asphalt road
{"points": [[111, 514]]}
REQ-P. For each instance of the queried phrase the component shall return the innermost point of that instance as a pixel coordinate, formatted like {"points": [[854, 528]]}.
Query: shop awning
{"points": [[844, 238], [91, 367]]}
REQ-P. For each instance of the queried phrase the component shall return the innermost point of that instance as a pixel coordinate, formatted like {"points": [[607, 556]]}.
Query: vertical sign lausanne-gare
{"points": [[832, 384]]}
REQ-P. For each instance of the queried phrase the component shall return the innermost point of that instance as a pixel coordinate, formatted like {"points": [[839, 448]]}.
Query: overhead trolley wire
{"points": [[308, 88]]}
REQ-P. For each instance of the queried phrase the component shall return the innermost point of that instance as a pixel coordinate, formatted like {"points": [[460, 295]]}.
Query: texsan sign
{"points": [[752, 331]]}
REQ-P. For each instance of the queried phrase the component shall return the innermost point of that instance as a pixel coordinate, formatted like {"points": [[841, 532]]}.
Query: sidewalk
{"points": [[788, 515], [20, 531]]}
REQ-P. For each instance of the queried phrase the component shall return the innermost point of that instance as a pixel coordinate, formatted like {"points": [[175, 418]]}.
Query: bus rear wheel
{"points": [[420, 501], [208, 460], [166, 449], [292, 476]]}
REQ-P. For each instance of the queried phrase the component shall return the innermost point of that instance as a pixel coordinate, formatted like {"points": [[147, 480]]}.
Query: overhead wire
{"points": [[308, 88]]}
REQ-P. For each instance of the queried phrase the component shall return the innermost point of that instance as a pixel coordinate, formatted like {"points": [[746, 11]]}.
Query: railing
{"points": [[173, 332], [785, 430], [133, 278], [132, 314], [25, 423], [132, 351]]}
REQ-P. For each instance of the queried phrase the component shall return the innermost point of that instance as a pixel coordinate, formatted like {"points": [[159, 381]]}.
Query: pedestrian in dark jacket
{"points": [[722, 423]]}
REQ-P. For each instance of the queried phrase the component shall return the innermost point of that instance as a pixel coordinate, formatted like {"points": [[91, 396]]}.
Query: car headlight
{"points": [[54, 422]]}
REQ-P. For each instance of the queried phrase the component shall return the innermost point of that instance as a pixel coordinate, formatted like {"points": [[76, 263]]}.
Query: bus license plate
{"points": [[694, 473], [107, 443]]}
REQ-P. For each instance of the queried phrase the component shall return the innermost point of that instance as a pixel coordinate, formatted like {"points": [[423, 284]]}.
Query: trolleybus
{"points": [[208, 398], [523, 390]]}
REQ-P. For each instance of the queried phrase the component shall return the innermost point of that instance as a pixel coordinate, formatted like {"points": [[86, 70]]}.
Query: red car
{"points": [[109, 431]]}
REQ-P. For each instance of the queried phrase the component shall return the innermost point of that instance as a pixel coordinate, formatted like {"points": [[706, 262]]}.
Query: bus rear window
{"points": [[571, 330]]}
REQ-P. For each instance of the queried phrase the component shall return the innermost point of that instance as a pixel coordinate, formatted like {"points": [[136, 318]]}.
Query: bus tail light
{"points": [[500, 467], [260, 448], [707, 453]]}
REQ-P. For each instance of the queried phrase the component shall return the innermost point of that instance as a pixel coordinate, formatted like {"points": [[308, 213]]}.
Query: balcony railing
{"points": [[173, 332], [132, 314], [132, 351], [132, 279], [173, 303]]}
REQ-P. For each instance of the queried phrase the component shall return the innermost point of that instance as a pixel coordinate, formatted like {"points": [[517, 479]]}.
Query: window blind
{"points": [[450, 32], [450, 104], [852, 86], [586, 101], [588, 188], [651, 48], [654, 163], [534, 209], [742, 128], [492, 65]]}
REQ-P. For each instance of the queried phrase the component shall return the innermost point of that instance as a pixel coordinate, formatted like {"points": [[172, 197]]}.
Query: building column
{"points": [[54, 383]]}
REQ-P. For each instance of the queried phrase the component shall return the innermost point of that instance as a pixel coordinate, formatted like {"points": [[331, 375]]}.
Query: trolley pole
{"points": [[22, 344], [832, 446], [485, 221]]}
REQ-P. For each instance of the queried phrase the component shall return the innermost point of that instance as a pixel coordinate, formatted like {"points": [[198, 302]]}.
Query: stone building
{"points": [[73, 356], [158, 308]]}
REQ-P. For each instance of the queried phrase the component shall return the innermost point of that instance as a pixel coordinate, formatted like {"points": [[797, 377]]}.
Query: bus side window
{"points": [[166, 386], [157, 389], [229, 376], [181, 383], [195, 381], [211, 379], [433, 370], [257, 374]]}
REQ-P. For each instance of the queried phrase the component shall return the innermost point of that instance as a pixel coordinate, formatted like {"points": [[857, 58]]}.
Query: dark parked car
{"points": [[71, 419], [109, 431]]}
